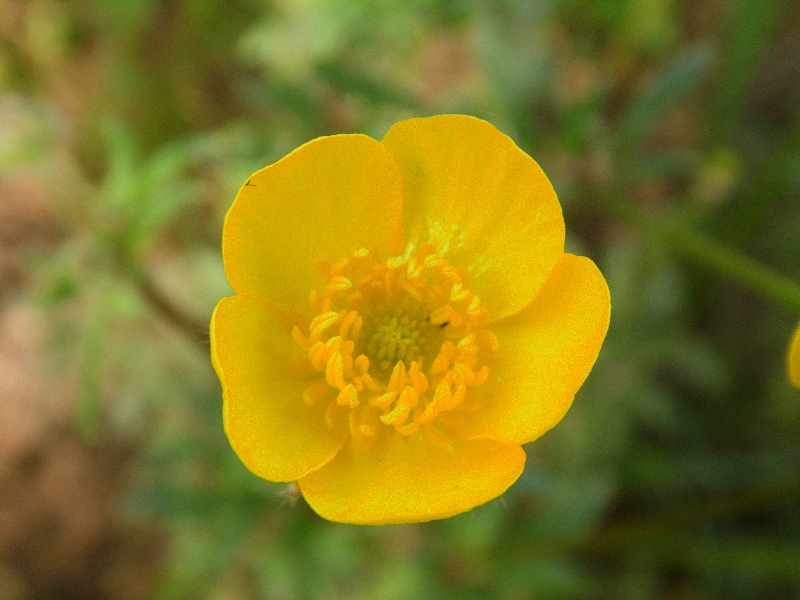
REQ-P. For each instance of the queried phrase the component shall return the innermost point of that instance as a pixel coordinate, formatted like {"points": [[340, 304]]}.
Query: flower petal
{"points": [[793, 359], [546, 353], [409, 479], [329, 197], [472, 191], [276, 435]]}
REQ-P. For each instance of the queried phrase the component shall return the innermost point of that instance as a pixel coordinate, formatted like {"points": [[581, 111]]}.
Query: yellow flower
{"points": [[793, 359], [405, 318]]}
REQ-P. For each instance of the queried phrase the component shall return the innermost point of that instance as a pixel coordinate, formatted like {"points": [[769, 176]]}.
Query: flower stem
{"points": [[712, 253], [687, 516], [196, 330]]}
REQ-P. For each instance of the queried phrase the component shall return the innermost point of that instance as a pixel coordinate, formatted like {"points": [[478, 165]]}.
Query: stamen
{"points": [[418, 379], [481, 376], [446, 356], [488, 340], [357, 323], [334, 371], [398, 416], [424, 344], [458, 293], [382, 401], [441, 315], [321, 322], [348, 396], [331, 414], [344, 328], [371, 384], [408, 397], [339, 284], [361, 364], [300, 339], [468, 345], [440, 398], [398, 378], [318, 356]]}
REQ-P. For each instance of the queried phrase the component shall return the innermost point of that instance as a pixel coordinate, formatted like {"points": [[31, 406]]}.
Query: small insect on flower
{"points": [[405, 319]]}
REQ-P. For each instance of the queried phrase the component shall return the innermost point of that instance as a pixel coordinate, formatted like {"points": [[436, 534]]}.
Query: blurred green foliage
{"points": [[676, 474]]}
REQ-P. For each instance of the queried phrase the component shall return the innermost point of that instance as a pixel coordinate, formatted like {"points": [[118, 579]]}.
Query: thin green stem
{"points": [[654, 527], [711, 253], [691, 515]]}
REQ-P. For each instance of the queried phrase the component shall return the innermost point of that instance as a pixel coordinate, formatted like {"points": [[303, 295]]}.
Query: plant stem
{"points": [[196, 330], [712, 253], [687, 516]]}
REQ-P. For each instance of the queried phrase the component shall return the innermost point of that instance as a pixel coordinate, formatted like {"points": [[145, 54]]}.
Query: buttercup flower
{"points": [[793, 359], [405, 318]]}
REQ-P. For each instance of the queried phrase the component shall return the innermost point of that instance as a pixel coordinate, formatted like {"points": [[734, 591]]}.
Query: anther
{"points": [[361, 364], [318, 356], [356, 329], [446, 356], [338, 284], [321, 322], [468, 344], [348, 396], [418, 379], [334, 371], [300, 339], [489, 340], [481, 376], [397, 380], [382, 401], [409, 397], [397, 416], [458, 293], [344, 328]]}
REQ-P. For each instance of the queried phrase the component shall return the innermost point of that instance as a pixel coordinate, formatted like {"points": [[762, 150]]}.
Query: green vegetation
{"points": [[671, 132]]}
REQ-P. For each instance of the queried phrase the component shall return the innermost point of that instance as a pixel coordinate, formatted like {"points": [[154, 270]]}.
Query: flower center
{"points": [[396, 337], [396, 342]]}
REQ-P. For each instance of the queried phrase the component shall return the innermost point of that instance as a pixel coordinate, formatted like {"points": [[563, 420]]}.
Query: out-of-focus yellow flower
{"points": [[405, 318], [793, 359]]}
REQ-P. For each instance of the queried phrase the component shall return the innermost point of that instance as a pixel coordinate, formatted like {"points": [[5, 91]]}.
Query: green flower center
{"points": [[396, 338]]}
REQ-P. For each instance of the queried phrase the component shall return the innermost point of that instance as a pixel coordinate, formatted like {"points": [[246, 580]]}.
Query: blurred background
{"points": [[125, 131]]}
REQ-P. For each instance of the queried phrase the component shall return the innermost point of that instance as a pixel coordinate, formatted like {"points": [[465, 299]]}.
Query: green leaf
{"points": [[750, 33], [737, 555], [661, 93], [356, 81]]}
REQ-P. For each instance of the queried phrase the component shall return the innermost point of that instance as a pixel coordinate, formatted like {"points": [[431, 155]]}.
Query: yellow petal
{"points": [[546, 353], [793, 359], [329, 197], [274, 432], [472, 191], [409, 479]]}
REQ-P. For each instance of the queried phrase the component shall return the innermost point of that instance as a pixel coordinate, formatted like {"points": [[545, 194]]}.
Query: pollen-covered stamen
{"points": [[396, 342]]}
